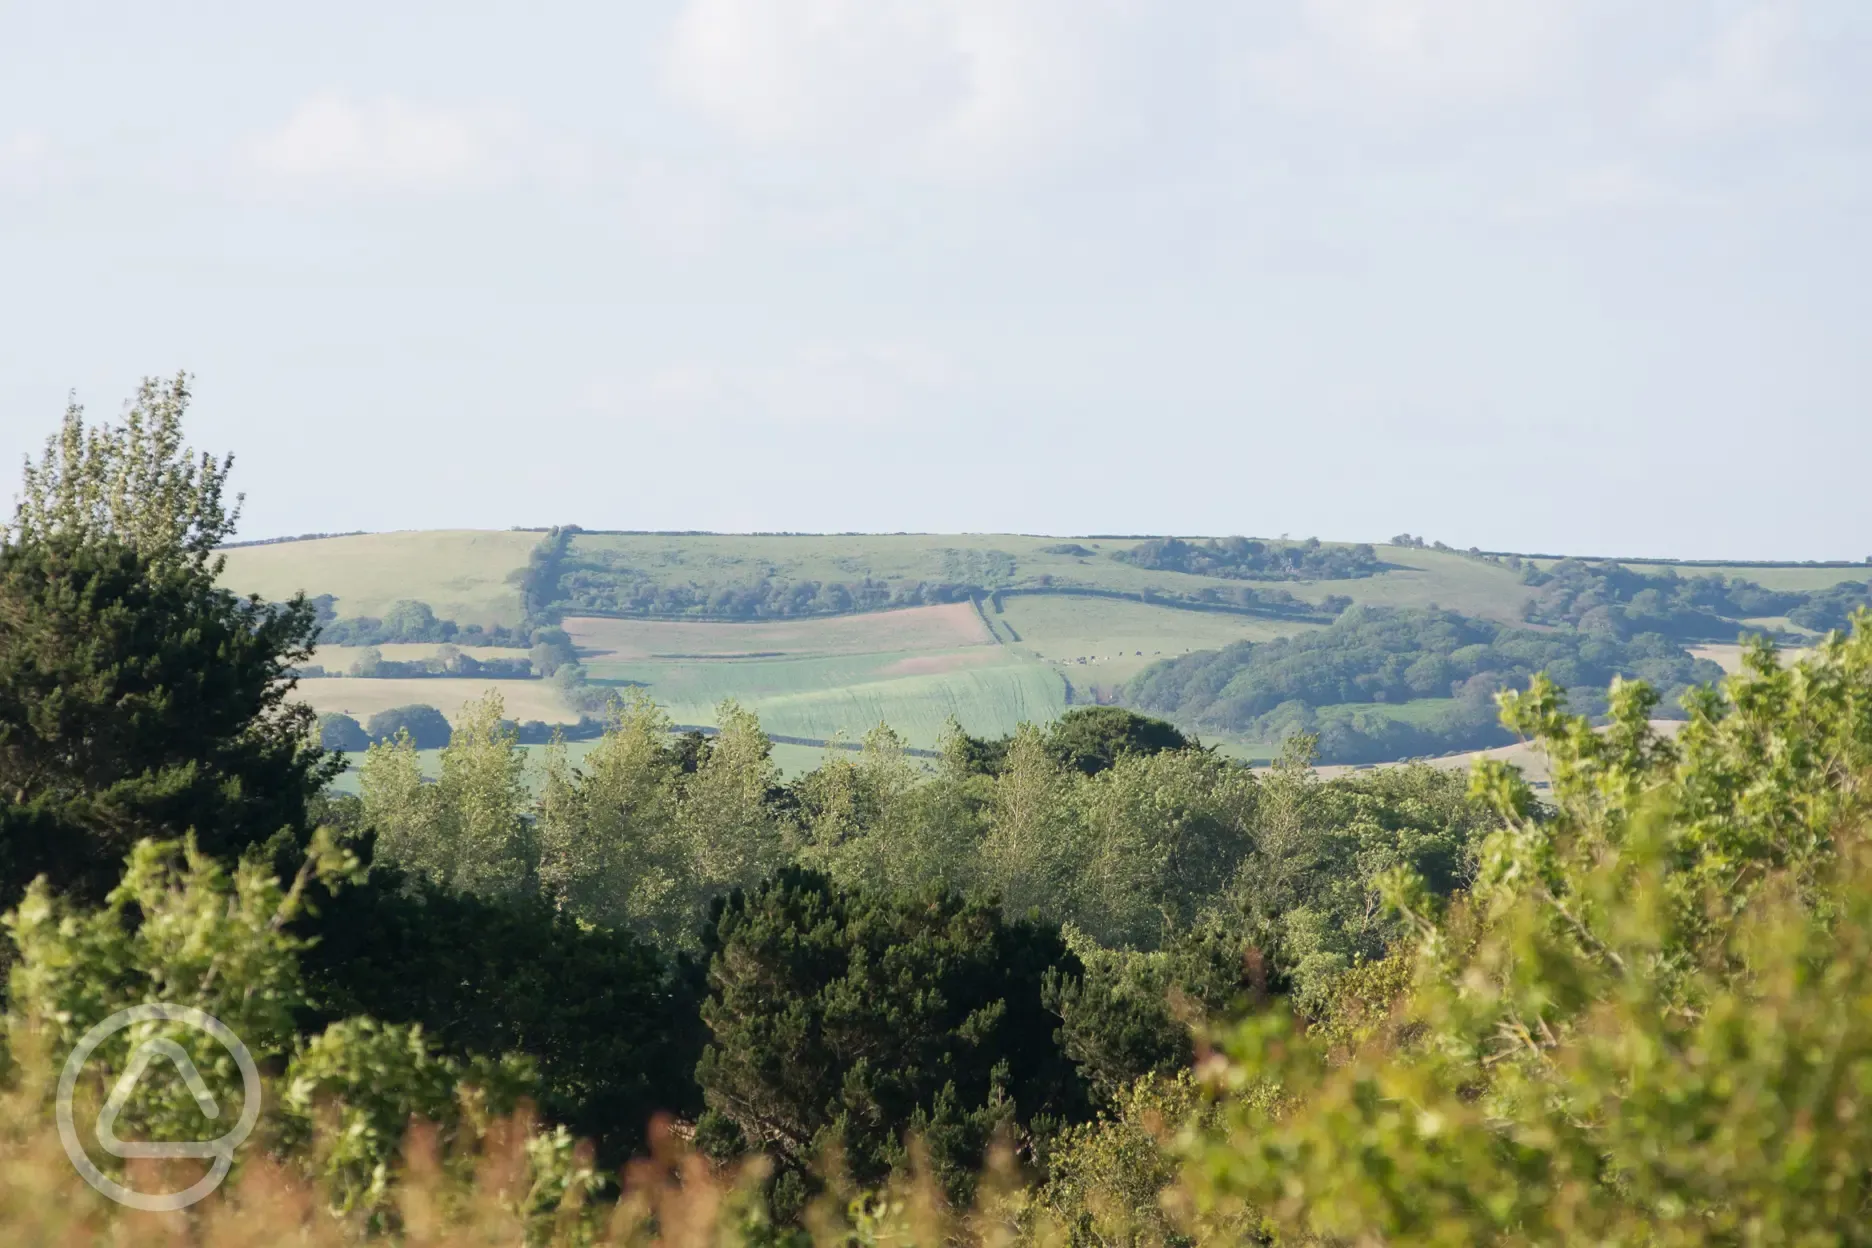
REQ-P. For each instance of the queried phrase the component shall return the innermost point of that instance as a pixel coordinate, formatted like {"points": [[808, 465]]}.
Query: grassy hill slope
{"points": [[466, 575], [1060, 619]]}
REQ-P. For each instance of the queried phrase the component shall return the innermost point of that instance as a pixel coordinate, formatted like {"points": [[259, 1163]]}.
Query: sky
{"points": [[1538, 275]]}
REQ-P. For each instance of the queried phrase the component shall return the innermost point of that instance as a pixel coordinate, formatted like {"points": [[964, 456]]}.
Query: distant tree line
{"points": [[1384, 656], [612, 589], [1612, 598], [448, 661], [1234, 599], [296, 537], [405, 622], [1242, 558], [560, 579], [1829, 609], [428, 729]]}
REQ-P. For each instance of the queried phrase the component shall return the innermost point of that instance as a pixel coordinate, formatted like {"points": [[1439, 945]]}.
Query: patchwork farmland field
{"points": [[988, 690], [914, 628], [820, 676], [1102, 642]]}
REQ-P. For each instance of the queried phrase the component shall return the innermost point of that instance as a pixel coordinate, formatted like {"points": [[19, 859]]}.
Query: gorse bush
{"points": [[1649, 1022], [182, 931]]}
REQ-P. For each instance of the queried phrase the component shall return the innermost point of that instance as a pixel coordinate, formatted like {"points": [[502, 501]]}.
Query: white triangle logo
{"points": [[145, 1053]]}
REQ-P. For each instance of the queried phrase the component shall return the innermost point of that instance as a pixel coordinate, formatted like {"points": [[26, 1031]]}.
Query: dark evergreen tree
{"points": [[139, 699], [427, 727], [1092, 738], [848, 1019], [612, 1025]]}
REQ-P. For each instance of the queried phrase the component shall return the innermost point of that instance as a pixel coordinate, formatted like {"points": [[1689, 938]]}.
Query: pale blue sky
{"points": [[1529, 274]]}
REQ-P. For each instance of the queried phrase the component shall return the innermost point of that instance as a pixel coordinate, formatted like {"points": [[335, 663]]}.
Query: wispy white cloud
{"points": [[1380, 55], [934, 86], [335, 142], [1749, 76]]}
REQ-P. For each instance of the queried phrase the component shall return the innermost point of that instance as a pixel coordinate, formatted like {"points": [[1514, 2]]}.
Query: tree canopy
{"points": [[841, 1018], [1241, 558], [1384, 657], [137, 699]]}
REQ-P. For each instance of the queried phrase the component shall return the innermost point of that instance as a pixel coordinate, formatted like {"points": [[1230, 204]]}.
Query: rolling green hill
{"points": [[469, 576], [826, 635]]}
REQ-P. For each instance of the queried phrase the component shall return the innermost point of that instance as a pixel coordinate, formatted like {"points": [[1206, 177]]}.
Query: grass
{"points": [[817, 679], [823, 677], [472, 576], [989, 691], [1424, 578], [466, 575], [992, 560], [916, 628], [1102, 642], [1416, 711]]}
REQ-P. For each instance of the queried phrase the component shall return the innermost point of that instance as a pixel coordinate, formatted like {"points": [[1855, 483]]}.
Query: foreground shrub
{"points": [[1651, 1022]]}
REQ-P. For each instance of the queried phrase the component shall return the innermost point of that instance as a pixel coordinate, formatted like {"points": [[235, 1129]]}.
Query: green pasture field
{"points": [[989, 691], [914, 628], [827, 676], [1415, 711], [472, 576], [469, 576], [1099, 643], [1422, 578], [992, 560]]}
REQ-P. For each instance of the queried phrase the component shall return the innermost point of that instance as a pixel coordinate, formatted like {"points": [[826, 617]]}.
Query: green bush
{"points": [[341, 733], [426, 727]]}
